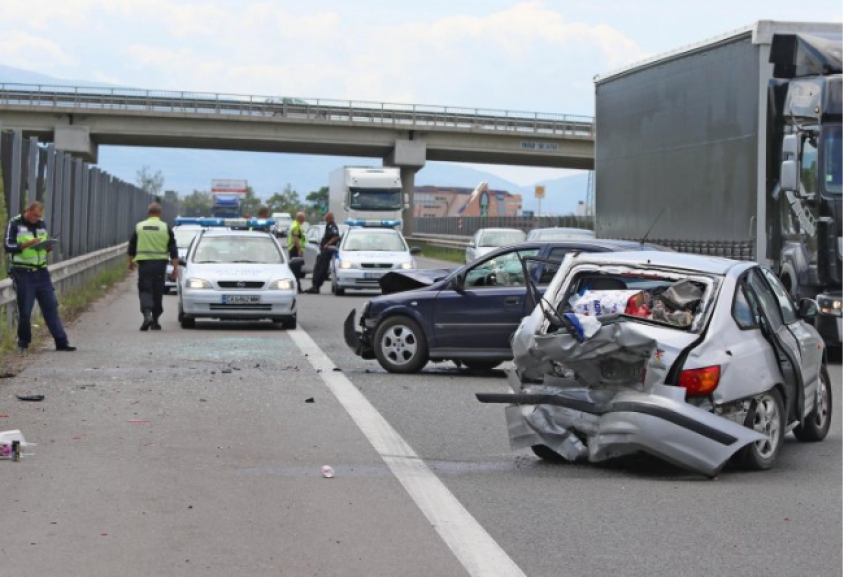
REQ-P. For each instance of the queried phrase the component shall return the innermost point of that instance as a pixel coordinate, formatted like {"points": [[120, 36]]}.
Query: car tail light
{"points": [[698, 382]]}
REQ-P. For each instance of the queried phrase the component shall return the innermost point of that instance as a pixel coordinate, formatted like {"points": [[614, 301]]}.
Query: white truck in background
{"points": [[366, 196]]}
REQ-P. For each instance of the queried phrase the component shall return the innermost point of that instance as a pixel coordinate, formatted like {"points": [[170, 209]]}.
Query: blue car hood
{"points": [[400, 281]]}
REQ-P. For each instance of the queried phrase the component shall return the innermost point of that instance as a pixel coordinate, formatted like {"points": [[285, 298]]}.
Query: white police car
{"points": [[184, 234], [367, 254], [234, 273]]}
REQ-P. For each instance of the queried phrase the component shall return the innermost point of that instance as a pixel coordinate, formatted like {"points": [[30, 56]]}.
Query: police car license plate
{"points": [[373, 274], [241, 299]]}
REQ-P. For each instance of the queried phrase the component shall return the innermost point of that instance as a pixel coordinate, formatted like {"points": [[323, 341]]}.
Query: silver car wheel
{"points": [[821, 403], [399, 344], [767, 421]]}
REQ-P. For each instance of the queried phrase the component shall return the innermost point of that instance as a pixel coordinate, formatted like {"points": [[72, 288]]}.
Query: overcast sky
{"points": [[538, 56]]}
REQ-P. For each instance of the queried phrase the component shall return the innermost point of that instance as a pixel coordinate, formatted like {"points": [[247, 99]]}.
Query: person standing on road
{"points": [[27, 253], [295, 238], [295, 248], [151, 246], [327, 248]]}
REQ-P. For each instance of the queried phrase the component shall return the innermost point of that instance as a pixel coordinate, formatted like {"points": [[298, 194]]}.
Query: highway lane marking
{"points": [[476, 550]]}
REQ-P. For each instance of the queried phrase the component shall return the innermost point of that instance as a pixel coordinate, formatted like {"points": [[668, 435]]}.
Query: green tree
{"points": [[285, 201], [149, 182], [318, 200], [198, 203], [250, 203]]}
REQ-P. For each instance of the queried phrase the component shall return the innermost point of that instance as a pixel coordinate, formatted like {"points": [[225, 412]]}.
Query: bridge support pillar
{"points": [[75, 140], [409, 157]]}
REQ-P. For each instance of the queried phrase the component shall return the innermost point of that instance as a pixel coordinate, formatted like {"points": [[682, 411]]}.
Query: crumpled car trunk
{"points": [[602, 397]]}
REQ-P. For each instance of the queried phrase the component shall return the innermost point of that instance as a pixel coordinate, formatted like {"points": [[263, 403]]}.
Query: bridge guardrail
{"points": [[319, 110], [442, 241]]}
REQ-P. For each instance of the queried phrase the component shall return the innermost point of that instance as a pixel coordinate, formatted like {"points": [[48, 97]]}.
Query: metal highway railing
{"points": [[156, 102]]}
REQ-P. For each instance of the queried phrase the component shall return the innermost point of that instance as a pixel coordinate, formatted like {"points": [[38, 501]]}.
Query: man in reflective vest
{"points": [[152, 245], [27, 244], [296, 248]]}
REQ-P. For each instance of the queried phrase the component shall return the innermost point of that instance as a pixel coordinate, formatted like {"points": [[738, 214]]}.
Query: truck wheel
{"points": [[337, 290], [400, 345], [816, 425], [288, 323], [768, 419], [789, 279]]}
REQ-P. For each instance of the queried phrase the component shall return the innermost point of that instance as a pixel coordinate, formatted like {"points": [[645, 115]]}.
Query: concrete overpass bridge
{"points": [[79, 119]]}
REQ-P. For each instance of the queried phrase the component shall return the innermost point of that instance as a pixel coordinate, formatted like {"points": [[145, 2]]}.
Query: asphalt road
{"points": [[198, 452]]}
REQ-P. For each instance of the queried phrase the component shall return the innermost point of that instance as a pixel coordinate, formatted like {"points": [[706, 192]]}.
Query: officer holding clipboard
{"points": [[27, 245]]}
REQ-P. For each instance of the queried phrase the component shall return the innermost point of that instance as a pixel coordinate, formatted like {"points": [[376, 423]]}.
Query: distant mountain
{"points": [[20, 76], [186, 170]]}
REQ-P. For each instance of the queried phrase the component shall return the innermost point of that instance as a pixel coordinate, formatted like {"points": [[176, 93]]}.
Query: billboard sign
{"points": [[228, 186]]}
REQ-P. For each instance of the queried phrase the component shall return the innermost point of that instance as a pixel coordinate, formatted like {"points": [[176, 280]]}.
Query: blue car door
{"points": [[486, 309]]}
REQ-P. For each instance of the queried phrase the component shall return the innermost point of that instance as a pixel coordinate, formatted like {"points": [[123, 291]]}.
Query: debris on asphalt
{"points": [[309, 400], [34, 398], [226, 371], [327, 471], [12, 445]]}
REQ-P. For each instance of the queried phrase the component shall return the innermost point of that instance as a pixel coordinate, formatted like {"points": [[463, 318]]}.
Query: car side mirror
{"points": [[808, 310], [457, 282], [297, 261], [182, 262], [415, 250]]}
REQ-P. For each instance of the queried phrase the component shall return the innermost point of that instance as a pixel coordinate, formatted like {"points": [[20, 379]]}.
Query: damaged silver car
{"points": [[692, 359]]}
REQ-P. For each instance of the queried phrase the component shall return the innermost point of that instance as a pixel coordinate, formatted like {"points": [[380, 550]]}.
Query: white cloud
{"points": [[269, 47], [25, 50], [524, 175]]}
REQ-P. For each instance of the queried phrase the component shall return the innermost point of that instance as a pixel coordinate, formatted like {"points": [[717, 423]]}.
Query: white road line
{"points": [[472, 545]]}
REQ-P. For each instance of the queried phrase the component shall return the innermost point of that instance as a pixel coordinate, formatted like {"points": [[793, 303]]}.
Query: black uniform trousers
{"points": [[321, 267], [151, 275]]}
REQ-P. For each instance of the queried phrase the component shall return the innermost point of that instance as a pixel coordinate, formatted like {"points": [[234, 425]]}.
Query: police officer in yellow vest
{"points": [[151, 246], [27, 251]]}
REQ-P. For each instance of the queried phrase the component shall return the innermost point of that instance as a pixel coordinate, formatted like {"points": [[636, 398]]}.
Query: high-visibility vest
{"points": [[295, 232], [29, 257], [153, 240]]}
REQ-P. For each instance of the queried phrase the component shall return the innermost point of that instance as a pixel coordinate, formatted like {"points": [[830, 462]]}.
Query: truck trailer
{"points": [[732, 147], [366, 196]]}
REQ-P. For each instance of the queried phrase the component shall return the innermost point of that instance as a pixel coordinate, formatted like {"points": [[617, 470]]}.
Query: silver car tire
{"points": [[816, 425], [768, 418], [400, 345], [547, 454], [185, 321]]}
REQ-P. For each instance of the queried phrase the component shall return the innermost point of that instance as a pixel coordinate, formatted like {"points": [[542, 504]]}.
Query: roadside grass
{"points": [[441, 253], [71, 304]]}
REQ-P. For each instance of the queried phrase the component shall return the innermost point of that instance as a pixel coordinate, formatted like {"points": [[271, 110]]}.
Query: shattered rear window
{"points": [[667, 298]]}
